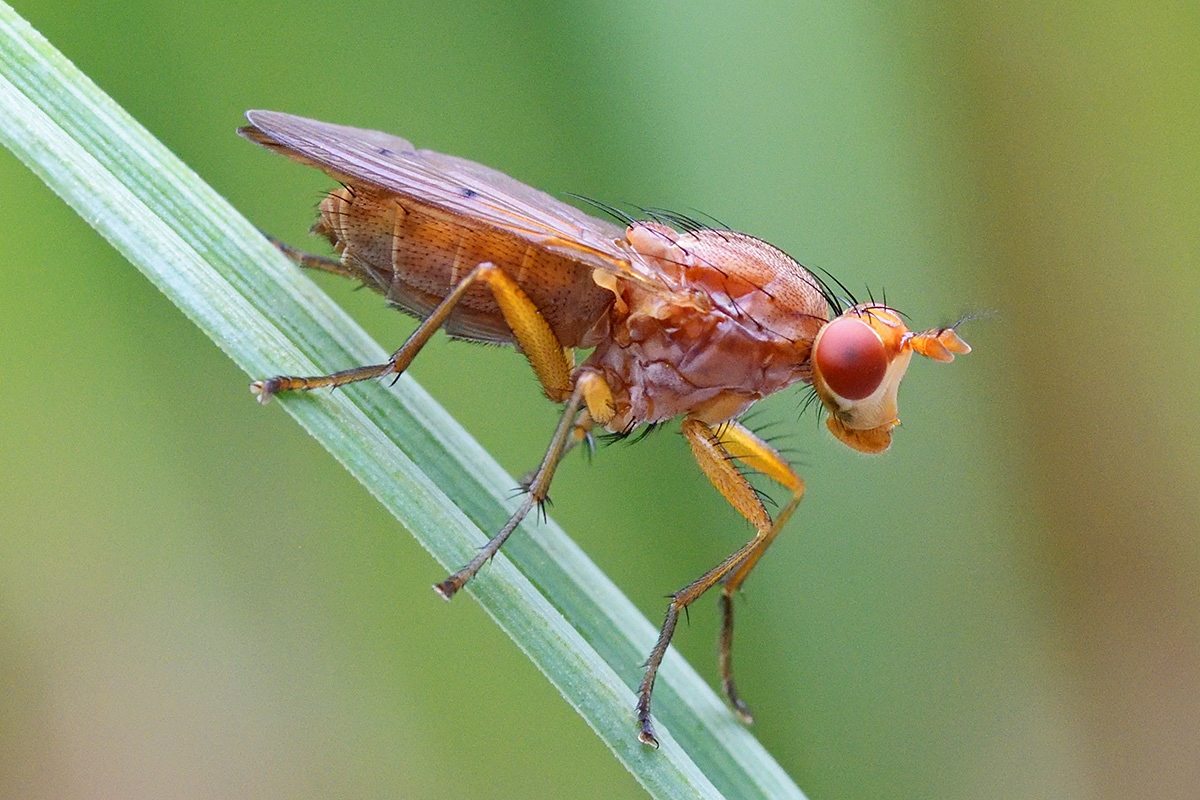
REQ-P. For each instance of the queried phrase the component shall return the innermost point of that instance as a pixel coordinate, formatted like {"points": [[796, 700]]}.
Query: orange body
{"points": [[702, 323], [416, 253]]}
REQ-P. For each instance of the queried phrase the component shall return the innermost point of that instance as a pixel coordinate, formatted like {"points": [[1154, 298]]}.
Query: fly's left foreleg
{"points": [[715, 450]]}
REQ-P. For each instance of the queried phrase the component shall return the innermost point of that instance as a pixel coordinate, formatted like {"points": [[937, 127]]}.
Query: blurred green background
{"points": [[196, 601]]}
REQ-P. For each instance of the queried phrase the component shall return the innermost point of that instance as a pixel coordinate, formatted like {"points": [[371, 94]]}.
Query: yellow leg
{"points": [[533, 333], [748, 448], [714, 451]]}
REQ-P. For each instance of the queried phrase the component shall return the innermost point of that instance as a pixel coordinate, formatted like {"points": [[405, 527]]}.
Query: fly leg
{"points": [[747, 447], [581, 432], [312, 261], [715, 450], [549, 359], [533, 333], [589, 388]]}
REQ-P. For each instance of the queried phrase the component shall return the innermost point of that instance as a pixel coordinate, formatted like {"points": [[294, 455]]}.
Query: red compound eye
{"points": [[851, 358]]}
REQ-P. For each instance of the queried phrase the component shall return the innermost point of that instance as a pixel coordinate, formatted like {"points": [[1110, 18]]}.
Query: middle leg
{"points": [[590, 391]]}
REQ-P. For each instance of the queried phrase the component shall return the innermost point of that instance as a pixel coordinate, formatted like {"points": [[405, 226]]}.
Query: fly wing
{"points": [[456, 185]]}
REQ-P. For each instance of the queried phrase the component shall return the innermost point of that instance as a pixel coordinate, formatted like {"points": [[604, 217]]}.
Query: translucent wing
{"points": [[455, 185]]}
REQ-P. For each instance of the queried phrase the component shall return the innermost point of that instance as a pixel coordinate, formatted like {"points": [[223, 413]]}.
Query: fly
{"points": [[681, 320]]}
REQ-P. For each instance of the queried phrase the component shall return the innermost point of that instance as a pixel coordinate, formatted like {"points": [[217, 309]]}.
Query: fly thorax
{"points": [[735, 326]]}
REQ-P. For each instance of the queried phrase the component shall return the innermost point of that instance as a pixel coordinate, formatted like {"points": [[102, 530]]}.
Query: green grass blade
{"points": [[417, 461]]}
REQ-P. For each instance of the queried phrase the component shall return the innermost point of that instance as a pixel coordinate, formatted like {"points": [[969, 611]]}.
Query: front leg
{"points": [[714, 450], [746, 446]]}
